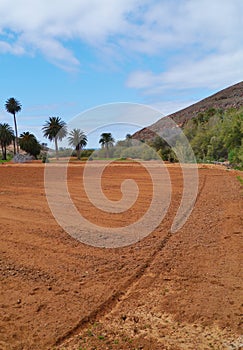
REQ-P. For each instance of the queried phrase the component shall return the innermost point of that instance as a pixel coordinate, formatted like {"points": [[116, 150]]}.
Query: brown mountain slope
{"points": [[231, 97]]}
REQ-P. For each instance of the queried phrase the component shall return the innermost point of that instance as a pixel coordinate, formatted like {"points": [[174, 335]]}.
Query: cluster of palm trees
{"points": [[26, 141], [54, 129]]}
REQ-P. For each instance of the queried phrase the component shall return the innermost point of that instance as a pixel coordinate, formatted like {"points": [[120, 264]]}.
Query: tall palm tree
{"points": [[6, 138], [77, 139], [55, 129], [13, 106], [106, 141], [29, 143]]}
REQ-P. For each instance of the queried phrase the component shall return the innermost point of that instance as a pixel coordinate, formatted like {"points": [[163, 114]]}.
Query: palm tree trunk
{"points": [[107, 150], [56, 147], [5, 153], [16, 135], [2, 152], [14, 145], [78, 152]]}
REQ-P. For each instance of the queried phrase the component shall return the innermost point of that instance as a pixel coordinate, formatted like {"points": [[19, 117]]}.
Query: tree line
{"points": [[54, 129], [214, 135]]}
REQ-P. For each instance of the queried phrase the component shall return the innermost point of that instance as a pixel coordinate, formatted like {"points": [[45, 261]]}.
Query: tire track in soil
{"points": [[109, 304]]}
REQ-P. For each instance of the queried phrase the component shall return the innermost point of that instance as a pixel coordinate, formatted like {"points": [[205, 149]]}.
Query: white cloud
{"points": [[181, 24], [213, 72], [54, 51], [14, 49], [45, 26], [202, 41], [199, 40]]}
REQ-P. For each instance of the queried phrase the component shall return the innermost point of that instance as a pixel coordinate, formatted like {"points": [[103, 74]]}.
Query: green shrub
{"points": [[86, 153], [44, 158]]}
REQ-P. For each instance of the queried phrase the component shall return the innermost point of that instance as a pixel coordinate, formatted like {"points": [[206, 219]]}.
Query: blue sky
{"points": [[61, 58]]}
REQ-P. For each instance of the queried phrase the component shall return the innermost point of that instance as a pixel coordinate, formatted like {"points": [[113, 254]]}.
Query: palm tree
{"points": [[29, 144], [106, 140], [6, 138], [55, 129], [128, 140], [78, 139], [13, 106]]}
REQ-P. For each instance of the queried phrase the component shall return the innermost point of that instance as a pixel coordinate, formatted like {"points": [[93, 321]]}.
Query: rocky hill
{"points": [[231, 97]]}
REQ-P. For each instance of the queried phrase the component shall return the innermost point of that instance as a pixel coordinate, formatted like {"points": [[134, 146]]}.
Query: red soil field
{"points": [[167, 291]]}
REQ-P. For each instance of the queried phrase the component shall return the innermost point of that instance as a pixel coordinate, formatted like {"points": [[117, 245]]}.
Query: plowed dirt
{"points": [[168, 291]]}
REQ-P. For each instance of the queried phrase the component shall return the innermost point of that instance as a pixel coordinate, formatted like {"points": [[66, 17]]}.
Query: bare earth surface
{"points": [[168, 291]]}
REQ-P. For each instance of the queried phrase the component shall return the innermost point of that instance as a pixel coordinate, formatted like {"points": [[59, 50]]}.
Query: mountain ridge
{"points": [[229, 97]]}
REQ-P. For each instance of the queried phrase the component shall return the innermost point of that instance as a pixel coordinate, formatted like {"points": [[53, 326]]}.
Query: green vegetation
{"points": [[27, 141], [13, 106], [217, 136], [101, 337], [6, 138], [163, 150], [127, 149], [78, 139], [29, 144], [45, 158], [240, 179], [9, 157], [107, 141], [86, 153], [55, 129], [214, 135]]}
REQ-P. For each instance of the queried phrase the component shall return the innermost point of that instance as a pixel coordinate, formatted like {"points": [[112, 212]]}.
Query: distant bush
{"points": [[86, 153], [64, 152], [143, 151], [44, 158]]}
